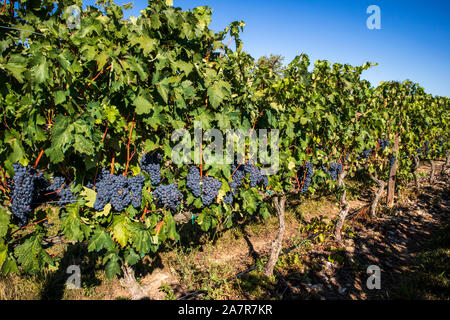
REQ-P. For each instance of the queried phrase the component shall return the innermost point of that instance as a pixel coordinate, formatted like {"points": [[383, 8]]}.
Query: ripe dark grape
{"points": [[151, 163], [26, 189], [392, 161], [168, 196], [136, 184], [60, 191], [305, 175], [256, 176], [383, 144], [365, 154], [193, 181], [210, 190], [228, 198], [120, 191], [238, 176], [334, 171]]}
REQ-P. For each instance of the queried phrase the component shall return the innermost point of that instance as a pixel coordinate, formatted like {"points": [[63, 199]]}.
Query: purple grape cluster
{"points": [[168, 196], [193, 181], [26, 189], [365, 154], [119, 190], [307, 176], [238, 176], [391, 161], [60, 191], [151, 163], [256, 176], [210, 190], [334, 171], [383, 144]]}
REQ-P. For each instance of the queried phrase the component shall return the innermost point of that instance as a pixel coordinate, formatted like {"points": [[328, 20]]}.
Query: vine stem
{"points": [[145, 211], [104, 134], [38, 158], [158, 227], [4, 181], [128, 148], [4, 7], [112, 164], [93, 79], [56, 191], [30, 225]]}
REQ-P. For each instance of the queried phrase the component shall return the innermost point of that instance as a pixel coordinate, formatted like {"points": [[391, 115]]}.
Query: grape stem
{"points": [[38, 158], [128, 148], [30, 225]]}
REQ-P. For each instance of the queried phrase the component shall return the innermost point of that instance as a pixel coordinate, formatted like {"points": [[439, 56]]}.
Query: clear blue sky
{"points": [[413, 42]]}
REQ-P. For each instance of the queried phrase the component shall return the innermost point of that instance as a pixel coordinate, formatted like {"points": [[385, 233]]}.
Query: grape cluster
{"points": [[193, 181], [383, 144], [168, 196], [26, 189], [151, 163], [48, 225], [334, 171], [119, 190], [238, 176], [210, 190], [256, 176], [392, 161], [365, 154], [62, 193], [307, 175]]}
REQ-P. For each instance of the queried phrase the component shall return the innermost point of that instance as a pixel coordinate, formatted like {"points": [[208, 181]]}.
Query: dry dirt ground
{"points": [[315, 269]]}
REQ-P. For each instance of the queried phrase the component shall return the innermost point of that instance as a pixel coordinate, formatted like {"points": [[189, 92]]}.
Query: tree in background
{"points": [[274, 63]]}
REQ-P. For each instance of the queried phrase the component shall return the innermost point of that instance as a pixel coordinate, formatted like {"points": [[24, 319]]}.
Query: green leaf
{"points": [[141, 238], [16, 65], [31, 256], [83, 145], [112, 267], [89, 196], [99, 240], [216, 93], [40, 70], [4, 222], [132, 257], [10, 266], [104, 213], [3, 254], [62, 133], [143, 106], [145, 43], [71, 224], [119, 229], [60, 97], [163, 90]]}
